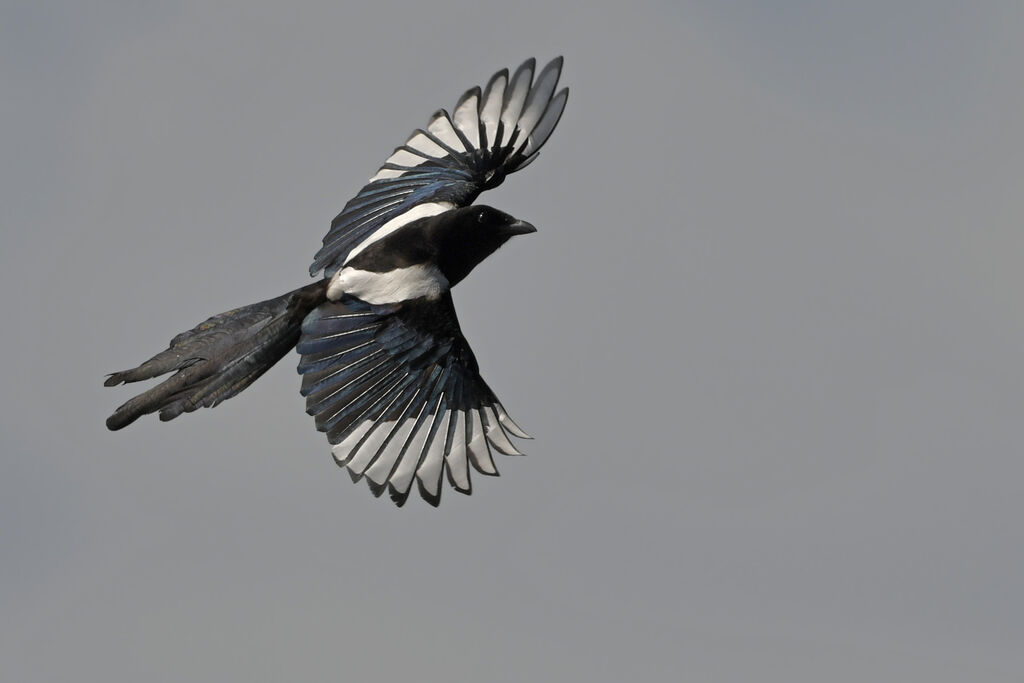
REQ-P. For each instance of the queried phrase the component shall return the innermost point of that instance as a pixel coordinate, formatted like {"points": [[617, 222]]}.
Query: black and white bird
{"points": [[386, 371]]}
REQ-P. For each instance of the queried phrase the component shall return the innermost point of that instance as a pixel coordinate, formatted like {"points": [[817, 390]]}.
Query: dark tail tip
{"points": [[118, 421]]}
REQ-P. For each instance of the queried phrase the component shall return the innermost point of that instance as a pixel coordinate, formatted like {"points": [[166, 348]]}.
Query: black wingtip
{"points": [[376, 489], [497, 74], [474, 91], [468, 491], [397, 497], [427, 496]]}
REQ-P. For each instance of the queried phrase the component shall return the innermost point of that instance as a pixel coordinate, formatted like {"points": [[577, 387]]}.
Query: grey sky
{"points": [[768, 340]]}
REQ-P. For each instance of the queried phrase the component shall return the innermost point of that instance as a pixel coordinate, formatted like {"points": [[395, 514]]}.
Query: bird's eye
{"points": [[481, 217]]}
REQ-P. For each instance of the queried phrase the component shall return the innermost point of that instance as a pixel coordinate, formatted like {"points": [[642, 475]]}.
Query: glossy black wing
{"points": [[491, 133], [399, 395]]}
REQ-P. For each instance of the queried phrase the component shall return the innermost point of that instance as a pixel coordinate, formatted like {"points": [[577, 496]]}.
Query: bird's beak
{"points": [[519, 228]]}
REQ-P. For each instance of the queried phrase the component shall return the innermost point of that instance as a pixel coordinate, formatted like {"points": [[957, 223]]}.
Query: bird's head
{"points": [[467, 236], [487, 223]]}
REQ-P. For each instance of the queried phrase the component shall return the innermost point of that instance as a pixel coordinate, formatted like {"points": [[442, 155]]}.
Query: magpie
{"points": [[386, 372]]}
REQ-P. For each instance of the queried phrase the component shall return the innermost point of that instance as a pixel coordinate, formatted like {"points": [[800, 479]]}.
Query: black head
{"points": [[465, 237]]}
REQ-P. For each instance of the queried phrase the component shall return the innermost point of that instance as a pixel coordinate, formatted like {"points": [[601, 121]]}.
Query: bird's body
{"points": [[387, 374]]}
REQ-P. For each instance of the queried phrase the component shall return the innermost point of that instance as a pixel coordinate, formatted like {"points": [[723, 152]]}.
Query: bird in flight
{"points": [[386, 372]]}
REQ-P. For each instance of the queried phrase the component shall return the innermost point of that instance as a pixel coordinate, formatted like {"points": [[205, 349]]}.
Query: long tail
{"points": [[219, 357]]}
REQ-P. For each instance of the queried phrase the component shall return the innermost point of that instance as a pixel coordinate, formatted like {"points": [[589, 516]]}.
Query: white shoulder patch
{"points": [[416, 212], [401, 284]]}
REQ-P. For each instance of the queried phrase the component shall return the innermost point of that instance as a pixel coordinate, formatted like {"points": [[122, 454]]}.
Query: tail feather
{"points": [[218, 358]]}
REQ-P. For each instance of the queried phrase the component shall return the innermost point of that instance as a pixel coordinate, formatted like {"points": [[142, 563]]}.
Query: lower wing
{"points": [[399, 394]]}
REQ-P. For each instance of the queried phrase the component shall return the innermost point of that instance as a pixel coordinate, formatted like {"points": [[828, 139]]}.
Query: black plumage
{"points": [[456, 241], [218, 358], [386, 372]]}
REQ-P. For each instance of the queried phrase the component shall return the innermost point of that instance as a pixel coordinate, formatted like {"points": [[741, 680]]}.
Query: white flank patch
{"points": [[401, 284], [415, 213]]}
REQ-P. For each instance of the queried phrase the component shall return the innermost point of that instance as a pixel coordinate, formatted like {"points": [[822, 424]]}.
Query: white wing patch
{"points": [[430, 470], [520, 106], [397, 453], [421, 149], [455, 456], [515, 98], [467, 119], [440, 127], [537, 102], [421, 143], [490, 107], [415, 213]]}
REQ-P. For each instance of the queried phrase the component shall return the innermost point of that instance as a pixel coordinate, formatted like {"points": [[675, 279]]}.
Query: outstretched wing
{"points": [[399, 394], [491, 133]]}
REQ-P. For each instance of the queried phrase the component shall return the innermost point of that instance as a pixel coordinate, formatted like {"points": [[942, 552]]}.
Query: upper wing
{"points": [[399, 394], [492, 133]]}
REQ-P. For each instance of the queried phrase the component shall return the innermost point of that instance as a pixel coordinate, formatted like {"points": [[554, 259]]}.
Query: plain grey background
{"points": [[769, 339]]}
